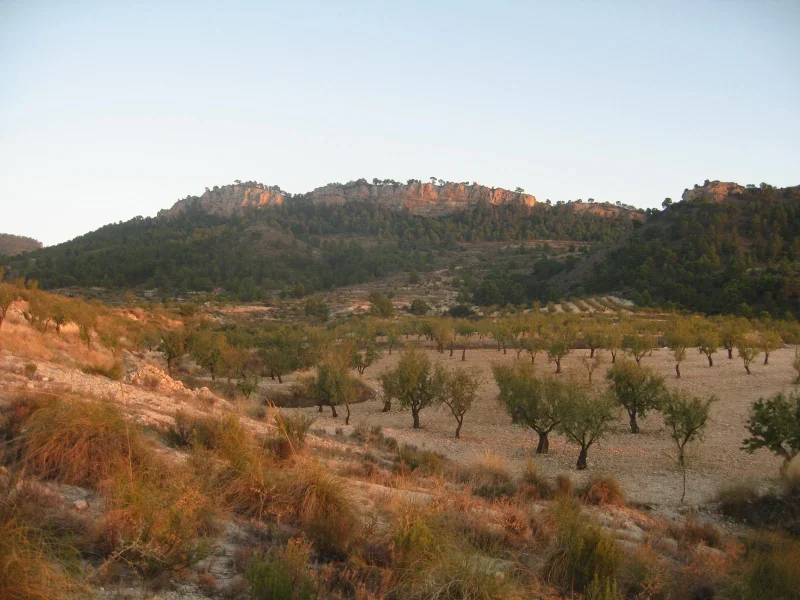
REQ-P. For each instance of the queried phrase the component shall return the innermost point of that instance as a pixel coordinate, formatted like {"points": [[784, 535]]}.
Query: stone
{"points": [[80, 505]]}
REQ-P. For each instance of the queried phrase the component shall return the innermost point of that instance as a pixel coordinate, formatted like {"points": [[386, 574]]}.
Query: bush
{"points": [[779, 509], [157, 518], [30, 369], [532, 485], [488, 479], [32, 561], [693, 532], [603, 489], [113, 371], [564, 485], [294, 427], [413, 459], [282, 575], [203, 432], [585, 559], [322, 504], [80, 442], [769, 569]]}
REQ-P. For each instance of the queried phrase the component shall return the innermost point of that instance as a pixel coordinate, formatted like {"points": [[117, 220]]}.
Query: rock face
{"points": [[418, 198], [714, 191], [228, 199]]}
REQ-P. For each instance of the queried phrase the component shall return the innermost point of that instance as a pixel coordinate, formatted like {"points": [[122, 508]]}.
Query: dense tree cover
{"points": [[737, 256], [299, 246]]}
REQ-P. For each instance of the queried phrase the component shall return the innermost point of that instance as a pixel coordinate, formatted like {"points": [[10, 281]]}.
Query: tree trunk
{"points": [[451, 349], [415, 415], [544, 443], [710, 360], [581, 464], [613, 356], [730, 353], [463, 355], [558, 366], [279, 378], [747, 368], [504, 349], [347, 416], [387, 406], [320, 408], [678, 370], [591, 352], [766, 358], [333, 411], [458, 429], [634, 424]]}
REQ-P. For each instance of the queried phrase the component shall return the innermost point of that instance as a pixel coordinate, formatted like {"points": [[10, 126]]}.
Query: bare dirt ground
{"points": [[642, 463]]}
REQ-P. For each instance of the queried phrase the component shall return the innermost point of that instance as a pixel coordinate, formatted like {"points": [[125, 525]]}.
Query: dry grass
{"points": [[32, 561], [80, 442]]}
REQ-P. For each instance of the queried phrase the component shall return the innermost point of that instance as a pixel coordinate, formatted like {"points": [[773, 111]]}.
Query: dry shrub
{"points": [[645, 575], [113, 371], [778, 509], [411, 458], [81, 442], [294, 428], [564, 485], [693, 532], [532, 486], [603, 489], [12, 420], [207, 432], [246, 483], [156, 517], [322, 504]]}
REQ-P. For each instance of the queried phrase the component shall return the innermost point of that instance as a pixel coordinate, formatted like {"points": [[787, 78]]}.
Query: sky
{"points": [[109, 110]]}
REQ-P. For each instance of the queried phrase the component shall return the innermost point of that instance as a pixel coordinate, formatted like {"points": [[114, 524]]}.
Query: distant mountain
{"points": [[11, 245], [252, 241]]}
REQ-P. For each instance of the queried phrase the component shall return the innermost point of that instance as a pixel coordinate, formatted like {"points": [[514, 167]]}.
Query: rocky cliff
{"points": [[226, 200], [419, 198]]}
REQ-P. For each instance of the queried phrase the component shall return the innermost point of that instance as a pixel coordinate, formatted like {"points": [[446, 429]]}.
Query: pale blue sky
{"points": [[111, 110]]}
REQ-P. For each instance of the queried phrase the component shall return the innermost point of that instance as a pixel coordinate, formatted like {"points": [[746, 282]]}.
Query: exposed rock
{"points": [[715, 191], [419, 198], [14, 244], [80, 505]]}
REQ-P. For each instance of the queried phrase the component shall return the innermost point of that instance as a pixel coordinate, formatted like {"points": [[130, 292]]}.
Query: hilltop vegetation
{"points": [[299, 246]]}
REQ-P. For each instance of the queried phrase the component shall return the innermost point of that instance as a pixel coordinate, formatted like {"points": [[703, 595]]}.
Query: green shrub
{"points": [[412, 458], [769, 570], [585, 559], [282, 575], [294, 427], [203, 432]]}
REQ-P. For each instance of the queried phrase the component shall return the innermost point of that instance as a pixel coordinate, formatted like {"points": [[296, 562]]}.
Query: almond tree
{"points": [[708, 343], [586, 419], [612, 339], [638, 345], [774, 424], [459, 389], [8, 295], [529, 400], [730, 330], [334, 385], [685, 417], [747, 347], [678, 340], [414, 383], [638, 389], [770, 340], [559, 344]]}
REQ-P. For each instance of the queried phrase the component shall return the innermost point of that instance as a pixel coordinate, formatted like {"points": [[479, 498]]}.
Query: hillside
{"points": [[724, 248], [252, 244], [16, 244]]}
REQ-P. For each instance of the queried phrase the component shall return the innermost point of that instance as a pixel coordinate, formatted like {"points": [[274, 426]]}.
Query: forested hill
{"points": [[15, 244], [724, 248], [300, 244]]}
